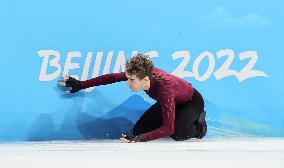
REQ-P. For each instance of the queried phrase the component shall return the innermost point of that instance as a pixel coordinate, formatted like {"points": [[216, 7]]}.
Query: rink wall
{"points": [[230, 52]]}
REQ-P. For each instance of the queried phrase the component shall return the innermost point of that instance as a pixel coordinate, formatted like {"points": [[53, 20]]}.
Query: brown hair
{"points": [[140, 65]]}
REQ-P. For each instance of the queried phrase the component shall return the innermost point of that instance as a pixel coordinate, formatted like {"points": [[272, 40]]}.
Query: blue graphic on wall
{"points": [[230, 51]]}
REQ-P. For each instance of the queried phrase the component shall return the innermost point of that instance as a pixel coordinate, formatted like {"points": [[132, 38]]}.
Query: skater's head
{"points": [[139, 71]]}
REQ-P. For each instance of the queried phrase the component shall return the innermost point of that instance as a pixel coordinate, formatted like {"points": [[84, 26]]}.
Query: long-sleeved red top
{"points": [[166, 89]]}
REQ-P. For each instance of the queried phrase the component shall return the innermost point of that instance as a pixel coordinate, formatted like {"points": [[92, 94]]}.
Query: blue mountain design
{"points": [[131, 109]]}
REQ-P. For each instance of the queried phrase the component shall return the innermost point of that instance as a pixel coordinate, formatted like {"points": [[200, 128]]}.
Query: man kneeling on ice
{"points": [[178, 112]]}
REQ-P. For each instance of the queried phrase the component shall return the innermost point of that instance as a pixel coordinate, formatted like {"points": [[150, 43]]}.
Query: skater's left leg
{"points": [[185, 122], [187, 118]]}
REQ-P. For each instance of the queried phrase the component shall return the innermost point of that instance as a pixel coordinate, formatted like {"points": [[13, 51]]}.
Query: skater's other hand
{"points": [[130, 138], [123, 139]]}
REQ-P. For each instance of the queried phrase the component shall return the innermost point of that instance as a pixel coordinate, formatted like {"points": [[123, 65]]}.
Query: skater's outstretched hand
{"points": [[68, 81], [130, 138]]}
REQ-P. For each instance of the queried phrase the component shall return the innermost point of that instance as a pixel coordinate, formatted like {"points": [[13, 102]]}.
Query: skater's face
{"points": [[136, 84]]}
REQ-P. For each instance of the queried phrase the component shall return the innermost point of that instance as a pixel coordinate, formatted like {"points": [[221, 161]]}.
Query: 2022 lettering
{"points": [[223, 71]]}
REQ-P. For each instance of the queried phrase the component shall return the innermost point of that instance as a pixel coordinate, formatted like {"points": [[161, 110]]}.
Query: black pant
{"points": [[186, 116]]}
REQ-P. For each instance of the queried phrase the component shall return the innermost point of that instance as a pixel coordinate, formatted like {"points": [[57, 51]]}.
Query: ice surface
{"points": [[239, 153]]}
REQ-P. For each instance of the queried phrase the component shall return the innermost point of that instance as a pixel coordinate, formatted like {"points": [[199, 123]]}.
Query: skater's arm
{"points": [[76, 85], [168, 112], [104, 80]]}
